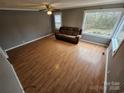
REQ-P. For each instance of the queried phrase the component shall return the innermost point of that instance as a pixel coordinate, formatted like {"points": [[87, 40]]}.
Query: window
{"points": [[101, 22], [119, 36], [57, 20]]}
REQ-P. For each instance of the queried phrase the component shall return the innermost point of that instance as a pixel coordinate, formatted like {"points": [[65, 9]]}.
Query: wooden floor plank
{"points": [[52, 66]]}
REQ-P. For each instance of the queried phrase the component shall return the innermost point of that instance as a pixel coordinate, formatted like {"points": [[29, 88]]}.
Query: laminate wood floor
{"points": [[52, 66]]}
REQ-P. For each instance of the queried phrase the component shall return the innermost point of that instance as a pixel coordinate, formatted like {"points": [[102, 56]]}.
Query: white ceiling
{"points": [[57, 4]]}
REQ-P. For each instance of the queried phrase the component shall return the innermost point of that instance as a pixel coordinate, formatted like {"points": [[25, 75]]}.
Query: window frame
{"points": [[115, 44], [102, 10], [57, 13]]}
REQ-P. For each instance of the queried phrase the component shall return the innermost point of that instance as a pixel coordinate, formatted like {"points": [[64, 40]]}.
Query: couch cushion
{"points": [[75, 33], [70, 36]]}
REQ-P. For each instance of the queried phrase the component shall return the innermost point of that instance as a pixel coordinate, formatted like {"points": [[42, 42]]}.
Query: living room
{"points": [[61, 46]]}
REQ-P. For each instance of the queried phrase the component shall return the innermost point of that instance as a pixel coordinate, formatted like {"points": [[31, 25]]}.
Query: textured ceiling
{"points": [[57, 4]]}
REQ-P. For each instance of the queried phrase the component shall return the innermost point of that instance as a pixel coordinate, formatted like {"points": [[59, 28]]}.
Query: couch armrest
{"points": [[79, 36]]}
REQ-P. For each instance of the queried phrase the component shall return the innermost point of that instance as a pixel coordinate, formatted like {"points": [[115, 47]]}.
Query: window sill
{"points": [[99, 36]]}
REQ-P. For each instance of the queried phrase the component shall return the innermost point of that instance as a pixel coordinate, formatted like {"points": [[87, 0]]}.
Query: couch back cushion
{"points": [[70, 31]]}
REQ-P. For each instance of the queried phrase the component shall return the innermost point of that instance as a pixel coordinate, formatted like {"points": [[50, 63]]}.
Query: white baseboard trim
{"points": [[3, 53], [27, 42], [93, 42], [106, 71], [20, 85]]}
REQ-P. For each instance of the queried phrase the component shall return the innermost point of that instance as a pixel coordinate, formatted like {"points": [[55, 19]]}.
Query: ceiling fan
{"points": [[47, 7]]}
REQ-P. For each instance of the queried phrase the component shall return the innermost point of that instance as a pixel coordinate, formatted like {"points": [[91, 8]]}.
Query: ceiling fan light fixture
{"points": [[49, 12]]}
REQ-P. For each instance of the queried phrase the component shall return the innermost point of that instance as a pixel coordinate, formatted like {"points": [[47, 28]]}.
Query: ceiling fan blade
{"points": [[45, 6], [43, 10]]}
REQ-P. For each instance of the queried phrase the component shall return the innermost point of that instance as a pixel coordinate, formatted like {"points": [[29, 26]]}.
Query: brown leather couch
{"points": [[69, 34]]}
